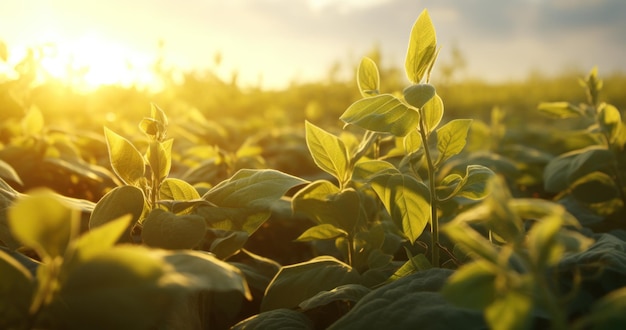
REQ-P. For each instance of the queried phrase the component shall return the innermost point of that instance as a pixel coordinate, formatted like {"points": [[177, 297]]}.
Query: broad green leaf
{"points": [[126, 161], [116, 203], [328, 151], [197, 270], [422, 48], [451, 138], [16, 292], [382, 113], [252, 189], [407, 201], [228, 243], [348, 292], [296, 283], [595, 187], [367, 169], [418, 95], [415, 263], [281, 318], [412, 142], [324, 203], [432, 113], [512, 311], [472, 186], [177, 190], [231, 219], [126, 287], [565, 169], [560, 109], [7, 172], [170, 231], [159, 156], [534, 208], [610, 121], [323, 231], [472, 286], [368, 78], [44, 223]]}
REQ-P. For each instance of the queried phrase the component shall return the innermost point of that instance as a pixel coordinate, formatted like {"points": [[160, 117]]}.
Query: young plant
{"points": [[592, 177]]}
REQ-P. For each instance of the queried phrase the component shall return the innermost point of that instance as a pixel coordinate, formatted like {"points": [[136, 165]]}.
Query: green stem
{"points": [[434, 224], [350, 249]]}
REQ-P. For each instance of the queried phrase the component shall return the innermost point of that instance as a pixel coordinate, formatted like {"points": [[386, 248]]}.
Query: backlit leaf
{"points": [[126, 161], [407, 201], [432, 112], [422, 48], [368, 78], [323, 231], [451, 138], [328, 151], [382, 113], [281, 318], [228, 244], [472, 186], [43, 222], [560, 109], [159, 156], [469, 240], [595, 187], [33, 122], [472, 286], [296, 283], [610, 121], [512, 311], [348, 292], [565, 169], [418, 95], [7, 172], [177, 190]]}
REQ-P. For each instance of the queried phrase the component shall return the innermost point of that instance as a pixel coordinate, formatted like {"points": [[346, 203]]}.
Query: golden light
{"points": [[92, 61]]}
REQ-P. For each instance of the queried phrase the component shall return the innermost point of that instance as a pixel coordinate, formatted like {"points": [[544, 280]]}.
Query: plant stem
{"points": [[434, 222]]}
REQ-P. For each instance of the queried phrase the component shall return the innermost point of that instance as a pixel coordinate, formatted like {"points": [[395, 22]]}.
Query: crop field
{"points": [[386, 201]]}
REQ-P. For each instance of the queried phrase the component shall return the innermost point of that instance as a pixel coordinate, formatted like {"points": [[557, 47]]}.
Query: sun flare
{"points": [[92, 61]]}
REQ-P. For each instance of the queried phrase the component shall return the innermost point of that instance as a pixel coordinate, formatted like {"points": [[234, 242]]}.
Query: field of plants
{"points": [[386, 201]]}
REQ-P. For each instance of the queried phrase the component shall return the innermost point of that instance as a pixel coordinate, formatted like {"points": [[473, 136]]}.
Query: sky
{"points": [[275, 42]]}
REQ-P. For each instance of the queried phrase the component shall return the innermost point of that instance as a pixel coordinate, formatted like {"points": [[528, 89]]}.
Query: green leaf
{"points": [[16, 292], [116, 203], [543, 244], [328, 151], [595, 187], [472, 186], [348, 292], [419, 94], [197, 270], [368, 78], [126, 161], [407, 201], [610, 121], [44, 223], [159, 156], [422, 48], [469, 240], [512, 311], [296, 283], [252, 188], [608, 312], [472, 286], [432, 113], [243, 202], [7, 172], [324, 203], [451, 138], [126, 287], [565, 169], [98, 239], [412, 142], [382, 113], [415, 263], [560, 109], [323, 231], [227, 243], [367, 169], [177, 190], [281, 318], [170, 231]]}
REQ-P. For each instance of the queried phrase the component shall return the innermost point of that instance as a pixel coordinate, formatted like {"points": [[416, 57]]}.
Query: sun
{"points": [[92, 61]]}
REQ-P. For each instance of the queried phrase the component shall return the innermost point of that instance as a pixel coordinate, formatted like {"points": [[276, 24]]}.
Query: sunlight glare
{"points": [[91, 61]]}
